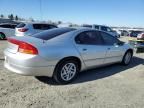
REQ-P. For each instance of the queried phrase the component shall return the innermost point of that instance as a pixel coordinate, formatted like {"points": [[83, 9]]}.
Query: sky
{"points": [[108, 12]]}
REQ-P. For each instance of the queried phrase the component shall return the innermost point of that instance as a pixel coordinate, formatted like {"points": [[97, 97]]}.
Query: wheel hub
{"points": [[68, 71]]}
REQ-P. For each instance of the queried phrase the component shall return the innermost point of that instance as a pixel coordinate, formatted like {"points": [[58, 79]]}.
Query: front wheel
{"points": [[127, 58]]}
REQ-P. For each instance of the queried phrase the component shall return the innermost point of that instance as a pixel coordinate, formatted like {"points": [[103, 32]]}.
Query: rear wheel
{"points": [[66, 71], [2, 36], [127, 58]]}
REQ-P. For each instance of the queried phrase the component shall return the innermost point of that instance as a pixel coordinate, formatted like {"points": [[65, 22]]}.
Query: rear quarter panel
{"points": [[58, 51]]}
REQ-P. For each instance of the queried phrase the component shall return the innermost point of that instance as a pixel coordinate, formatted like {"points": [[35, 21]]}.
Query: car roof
{"points": [[7, 24], [94, 25], [36, 23], [78, 29]]}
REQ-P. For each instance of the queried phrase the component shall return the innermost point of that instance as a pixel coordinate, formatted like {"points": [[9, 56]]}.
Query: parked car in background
{"points": [[140, 36], [28, 29], [65, 25], [124, 33], [62, 53], [104, 28], [118, 31], [7, 30], [135, 33]]}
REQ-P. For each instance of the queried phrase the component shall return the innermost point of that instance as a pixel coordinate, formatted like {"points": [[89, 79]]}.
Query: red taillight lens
{"points": [[23, 30], [27, 48], [24, 47]]}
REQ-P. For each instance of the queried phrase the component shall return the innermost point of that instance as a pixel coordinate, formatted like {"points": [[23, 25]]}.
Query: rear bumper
{"points": [[30, 71], [28, 65]]}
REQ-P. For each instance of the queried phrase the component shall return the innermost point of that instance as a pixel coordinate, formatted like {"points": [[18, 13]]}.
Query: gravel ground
{"points": [[114, 86]]}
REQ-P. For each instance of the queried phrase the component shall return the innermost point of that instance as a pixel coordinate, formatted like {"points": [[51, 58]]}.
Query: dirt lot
{"points": [[114, 86]]}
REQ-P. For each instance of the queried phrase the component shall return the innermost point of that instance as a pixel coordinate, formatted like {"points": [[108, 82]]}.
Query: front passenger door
{"points": [[115, 51]]}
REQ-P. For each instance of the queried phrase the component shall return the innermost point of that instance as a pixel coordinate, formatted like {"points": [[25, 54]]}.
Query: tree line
{"points": [[15, 17], [11, 17]]}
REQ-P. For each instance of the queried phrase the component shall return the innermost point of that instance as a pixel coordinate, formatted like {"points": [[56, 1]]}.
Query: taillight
{"points": [[23, 29], [24, 47]]}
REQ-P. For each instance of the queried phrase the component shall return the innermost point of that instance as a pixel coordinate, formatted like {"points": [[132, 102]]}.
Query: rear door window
{"points": [[89, 38]]}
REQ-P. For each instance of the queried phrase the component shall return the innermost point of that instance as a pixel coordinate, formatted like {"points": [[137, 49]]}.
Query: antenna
{"points": [[40, 1]]}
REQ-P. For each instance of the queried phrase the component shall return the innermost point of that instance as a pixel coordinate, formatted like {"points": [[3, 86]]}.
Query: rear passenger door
{"points": [[91, 48]]}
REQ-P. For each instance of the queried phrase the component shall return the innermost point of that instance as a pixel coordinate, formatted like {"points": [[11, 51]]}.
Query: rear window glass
{"points": [[37, 26], [6, 26], [21, 25], [13, 26], [43, 26], [49, 34]]}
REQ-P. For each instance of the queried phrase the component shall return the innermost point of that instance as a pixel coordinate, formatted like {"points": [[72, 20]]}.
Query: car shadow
{"points": [[98, 73]]}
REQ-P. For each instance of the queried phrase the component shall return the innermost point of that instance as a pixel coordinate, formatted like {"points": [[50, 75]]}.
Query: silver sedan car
{"points": [[62, 53]]}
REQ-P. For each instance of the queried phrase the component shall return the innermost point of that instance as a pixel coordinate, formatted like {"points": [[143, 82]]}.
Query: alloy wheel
{"points": [[68, 71]]}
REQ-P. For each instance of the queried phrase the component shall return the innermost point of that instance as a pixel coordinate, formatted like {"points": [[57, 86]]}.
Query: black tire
{"points": [[2, 36], [58, 71], [124, 62]]}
